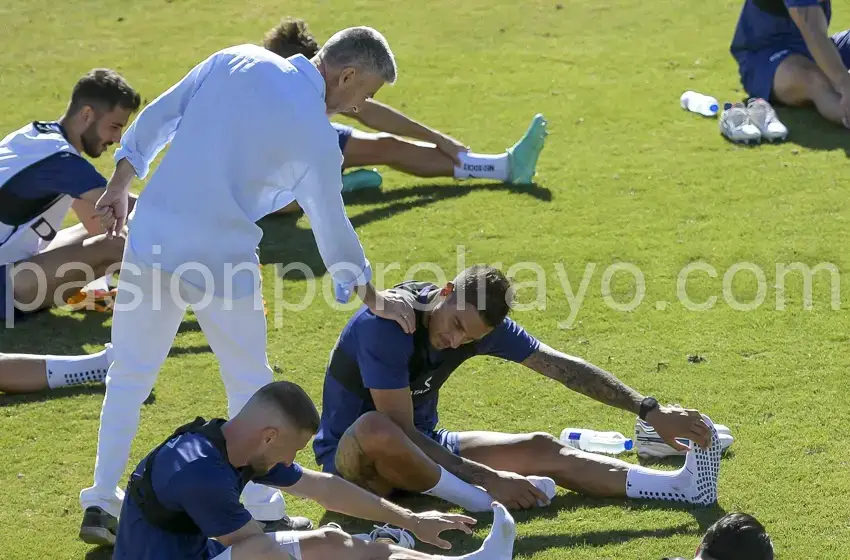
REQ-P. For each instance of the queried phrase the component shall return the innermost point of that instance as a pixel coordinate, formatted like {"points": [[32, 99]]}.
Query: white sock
{"points": [[499, 544], [483, 166], [454, 490], [63, 371], [696, 482]]}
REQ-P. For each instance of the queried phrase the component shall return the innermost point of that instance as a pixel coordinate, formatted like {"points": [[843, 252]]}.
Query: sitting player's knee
{"points": [[389, 146], [375, 431], [542, 441]]}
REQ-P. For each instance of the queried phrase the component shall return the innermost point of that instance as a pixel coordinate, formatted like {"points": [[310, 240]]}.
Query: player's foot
{"points": [[287, 523], [649, 444], [99, 527], [704, 467], [499, 544], [545, 485], [388, 535], [522, 156], [360, 179], [764, 117], [737, 126]]}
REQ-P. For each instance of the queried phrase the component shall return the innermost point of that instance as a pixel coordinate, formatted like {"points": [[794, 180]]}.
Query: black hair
{"points": [[103, 89]]}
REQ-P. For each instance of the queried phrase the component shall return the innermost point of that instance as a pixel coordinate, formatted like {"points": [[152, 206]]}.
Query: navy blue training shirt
{"points": [[766, 24], [189, 474], [374, 353]]}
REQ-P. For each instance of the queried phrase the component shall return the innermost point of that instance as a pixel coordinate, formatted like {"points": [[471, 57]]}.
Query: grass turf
{"points": [[626, 177]]}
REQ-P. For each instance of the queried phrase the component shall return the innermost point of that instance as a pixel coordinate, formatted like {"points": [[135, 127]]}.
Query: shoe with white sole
{"points": [[764, 117], [649, 444], [388, 535], [737, 125]]}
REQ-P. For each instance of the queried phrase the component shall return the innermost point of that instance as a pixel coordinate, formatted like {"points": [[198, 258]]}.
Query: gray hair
{"points": [[362, 48]]}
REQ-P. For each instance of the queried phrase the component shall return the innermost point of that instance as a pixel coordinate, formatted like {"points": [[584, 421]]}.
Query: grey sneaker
{"points": [[764, 117], [737, 126], [99, 527], [287, 523], [388, 535]]}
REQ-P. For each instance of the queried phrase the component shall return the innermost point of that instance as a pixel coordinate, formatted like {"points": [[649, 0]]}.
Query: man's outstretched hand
{"points": [[671, 423]]}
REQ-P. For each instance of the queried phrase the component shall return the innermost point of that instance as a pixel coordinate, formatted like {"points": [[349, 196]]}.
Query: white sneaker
{"points": [[649, 444], [764, 117], [737, 126], [388, 535]]}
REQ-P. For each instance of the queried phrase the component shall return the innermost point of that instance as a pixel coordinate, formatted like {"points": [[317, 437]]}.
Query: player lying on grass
{"points": [[736, 536], [183, 498], [379, 411], [784, 53], [43, 175], [30, 373], [434, 155]]}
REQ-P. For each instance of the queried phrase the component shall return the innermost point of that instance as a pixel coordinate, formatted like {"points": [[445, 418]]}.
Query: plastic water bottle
{"points": [[699, 103], [612, 443]]}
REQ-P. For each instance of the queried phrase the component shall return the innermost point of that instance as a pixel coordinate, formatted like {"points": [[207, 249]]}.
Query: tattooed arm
{"points": [[596, 383], [584, 378]]}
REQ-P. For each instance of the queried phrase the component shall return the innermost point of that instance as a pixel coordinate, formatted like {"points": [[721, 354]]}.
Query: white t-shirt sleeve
{"points": [[156, 124], [319, 193]]}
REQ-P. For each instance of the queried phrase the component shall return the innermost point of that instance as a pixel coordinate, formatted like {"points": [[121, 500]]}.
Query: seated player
{"points": [[434, 155], [379, 411], [785, 54], [182, 501], [736, 536], [42, 177]]}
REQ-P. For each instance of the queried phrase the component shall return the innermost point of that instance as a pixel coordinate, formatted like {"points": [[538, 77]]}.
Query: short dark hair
{"points": [[290, 37], [488, 290], [104, 89], [292, 402], [737, 536]]}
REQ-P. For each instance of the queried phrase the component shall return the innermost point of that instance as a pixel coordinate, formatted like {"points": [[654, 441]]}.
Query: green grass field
{"points": [[626, 176]]}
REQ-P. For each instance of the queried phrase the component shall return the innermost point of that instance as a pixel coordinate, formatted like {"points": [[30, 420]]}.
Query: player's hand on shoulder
{"points": [[428, 525], [398, 306]]}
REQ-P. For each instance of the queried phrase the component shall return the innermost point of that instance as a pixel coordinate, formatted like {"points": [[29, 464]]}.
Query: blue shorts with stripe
{"points": [[758, 68]]}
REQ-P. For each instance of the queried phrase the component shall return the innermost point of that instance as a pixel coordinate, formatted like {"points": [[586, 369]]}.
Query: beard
{"points": [[93, 145]]}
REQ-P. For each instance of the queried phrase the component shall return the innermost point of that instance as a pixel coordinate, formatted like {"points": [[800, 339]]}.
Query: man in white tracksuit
{"points": [[248, 133]]}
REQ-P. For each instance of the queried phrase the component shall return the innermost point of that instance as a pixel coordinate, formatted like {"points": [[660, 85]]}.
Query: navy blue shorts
{"points": [[344, 133], [758, 68], [449, 440]]}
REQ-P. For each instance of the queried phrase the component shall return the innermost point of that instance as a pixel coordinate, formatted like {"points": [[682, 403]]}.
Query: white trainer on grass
{"points": [[737, 125], [764, 117]]}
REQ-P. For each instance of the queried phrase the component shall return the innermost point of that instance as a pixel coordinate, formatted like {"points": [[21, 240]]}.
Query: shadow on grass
{"points": [[285, 242], [809, 130], [100, 553], [704, 517], [49, 395]]}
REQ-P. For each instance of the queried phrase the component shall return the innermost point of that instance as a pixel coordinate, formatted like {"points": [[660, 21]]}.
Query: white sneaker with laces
{"points": [[737, 126], [764, 117], [388, 535]]}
